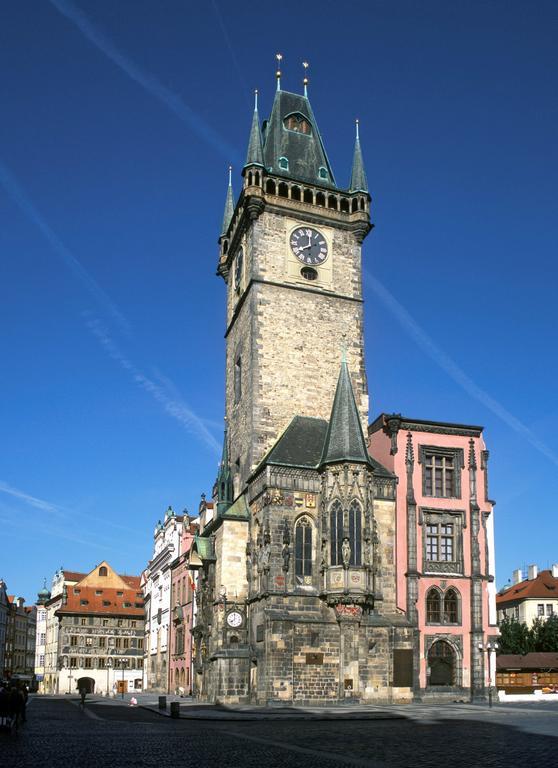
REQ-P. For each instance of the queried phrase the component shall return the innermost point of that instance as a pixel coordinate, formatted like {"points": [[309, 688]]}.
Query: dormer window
{"points": [[298, 123], [322, 173], [283, 164]]}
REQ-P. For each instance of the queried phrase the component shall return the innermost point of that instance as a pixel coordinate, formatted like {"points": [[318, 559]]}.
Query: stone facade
{"points": [[313, 567]]}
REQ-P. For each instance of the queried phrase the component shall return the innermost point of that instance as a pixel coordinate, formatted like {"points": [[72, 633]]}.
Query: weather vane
{"points": [[279, 57], [305, 80]]}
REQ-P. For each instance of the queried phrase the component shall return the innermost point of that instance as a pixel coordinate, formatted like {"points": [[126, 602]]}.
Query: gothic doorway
{"points": [[86, 684], [441, 664]]}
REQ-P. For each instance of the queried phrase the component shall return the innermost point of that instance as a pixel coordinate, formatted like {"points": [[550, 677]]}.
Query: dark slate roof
{"points": [[345, 439], [301, 443], [254, 156], [229, 208], [359, 182], [305, 152]]}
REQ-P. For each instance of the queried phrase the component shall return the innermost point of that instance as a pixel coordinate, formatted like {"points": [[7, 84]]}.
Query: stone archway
{"points": [[442, 664]]}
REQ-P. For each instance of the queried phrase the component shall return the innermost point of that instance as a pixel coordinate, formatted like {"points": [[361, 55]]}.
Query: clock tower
{"points": [[290, 254]]}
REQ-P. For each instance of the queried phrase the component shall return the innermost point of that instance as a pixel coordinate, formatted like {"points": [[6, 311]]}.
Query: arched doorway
{"points": [[441, 663], [86, 684]]}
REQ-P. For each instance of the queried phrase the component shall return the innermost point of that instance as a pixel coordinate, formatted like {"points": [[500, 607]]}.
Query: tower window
{"points": [[322, 173], [298, 123], [309, 273], [237, 380], [283, 164]]}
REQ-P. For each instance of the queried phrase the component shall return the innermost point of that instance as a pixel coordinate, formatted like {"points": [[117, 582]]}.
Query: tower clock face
{"points": [[234, 619], [309, 246], [238, 268]]}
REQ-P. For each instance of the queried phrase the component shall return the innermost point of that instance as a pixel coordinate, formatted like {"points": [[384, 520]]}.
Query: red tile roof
{"points": [[544, 586], [73, 576], [96, 603]]}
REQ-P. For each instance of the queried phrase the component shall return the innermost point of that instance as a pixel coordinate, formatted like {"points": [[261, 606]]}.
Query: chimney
{"points": [[533, 571], [517, 576], [555, 571]]}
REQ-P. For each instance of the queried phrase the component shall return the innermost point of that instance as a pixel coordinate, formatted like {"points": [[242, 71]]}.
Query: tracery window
{"points": [[355, 533], [336, 532], [442, 608], [303, 549], [433, 607], [297, 122]]}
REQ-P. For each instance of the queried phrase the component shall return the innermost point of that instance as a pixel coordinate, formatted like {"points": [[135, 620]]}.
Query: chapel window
{"points": [[303, 549], [336, 532], [433, 607], [355, 533]]}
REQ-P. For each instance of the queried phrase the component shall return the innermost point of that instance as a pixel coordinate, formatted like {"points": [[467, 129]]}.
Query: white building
{"points": [[535, 597], [40, 637], [156, 587]]}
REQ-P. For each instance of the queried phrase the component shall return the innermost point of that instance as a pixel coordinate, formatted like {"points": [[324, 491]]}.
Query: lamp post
{"points": [[123, 663], [109, 666], [491, 646]]}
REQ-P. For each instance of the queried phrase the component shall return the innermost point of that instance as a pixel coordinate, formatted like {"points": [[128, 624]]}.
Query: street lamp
{"points": [[491, 646], [109, 666], [123, 662]]}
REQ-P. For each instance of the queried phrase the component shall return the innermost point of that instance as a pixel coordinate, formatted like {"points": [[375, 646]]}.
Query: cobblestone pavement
{"points": [[109, 734]]}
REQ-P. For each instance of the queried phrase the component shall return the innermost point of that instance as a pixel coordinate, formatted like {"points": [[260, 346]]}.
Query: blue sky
{"points": [[119, 121]]}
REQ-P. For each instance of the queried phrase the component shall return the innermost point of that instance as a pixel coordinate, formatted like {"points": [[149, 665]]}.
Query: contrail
{"points": [[167, 96], [19, 196], [44, 506], [450, 367], [175, 408]]}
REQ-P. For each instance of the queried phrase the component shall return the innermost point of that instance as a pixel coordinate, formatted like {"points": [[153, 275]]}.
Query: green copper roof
{"points": [[229, 207], [204, 547], [224, 480], [238, 510], [254, 156], [303, 152], [359, 182], [345, 439]]}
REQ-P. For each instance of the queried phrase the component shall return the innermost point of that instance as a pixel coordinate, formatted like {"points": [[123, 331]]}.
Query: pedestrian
{"points": [[83, 694]]}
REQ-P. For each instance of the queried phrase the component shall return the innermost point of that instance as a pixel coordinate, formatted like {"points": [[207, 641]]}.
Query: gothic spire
{"points": [[254, 156], [358, 174], [344, 439], [224, 479], [229, 206]]}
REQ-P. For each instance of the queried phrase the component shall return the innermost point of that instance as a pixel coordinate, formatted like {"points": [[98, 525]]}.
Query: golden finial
{"points": [[279, 57], [305, 80]]}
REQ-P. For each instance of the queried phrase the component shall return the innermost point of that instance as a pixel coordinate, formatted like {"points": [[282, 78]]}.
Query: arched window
{"points": [[303, 548], [283, 164], [355, 533], [332, 202], [451, 607], [103, 571], [308, 196], [257, 178], [322, 173], [250, 179], [295, 193], [433, 607], [344, 205], [320, 199], [336, 532], [354, 205], [283, 190], [298, 123], [441, 664]]}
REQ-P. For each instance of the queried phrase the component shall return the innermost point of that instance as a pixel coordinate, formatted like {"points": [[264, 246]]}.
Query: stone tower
{"points": [[290, 254]]}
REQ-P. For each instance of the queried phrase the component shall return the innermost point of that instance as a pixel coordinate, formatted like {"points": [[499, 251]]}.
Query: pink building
{"points": [[182, 612], [445, 550]]}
